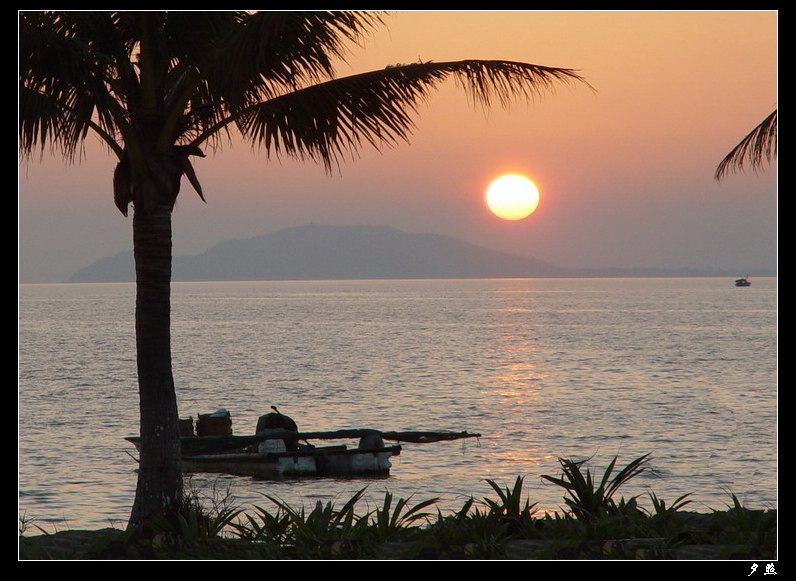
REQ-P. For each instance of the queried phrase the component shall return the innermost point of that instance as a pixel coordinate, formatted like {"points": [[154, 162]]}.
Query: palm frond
{"points": [[65, 87], [271, 52], [759, 146], [330, 120], [222, 62], [263, 55]]}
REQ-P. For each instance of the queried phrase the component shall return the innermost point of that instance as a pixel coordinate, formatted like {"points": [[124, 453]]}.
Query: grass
{"points": [[26, 522], [597, 522]]}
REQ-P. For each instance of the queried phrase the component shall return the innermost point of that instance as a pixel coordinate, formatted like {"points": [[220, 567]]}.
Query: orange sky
{"points": [[625, 173]]}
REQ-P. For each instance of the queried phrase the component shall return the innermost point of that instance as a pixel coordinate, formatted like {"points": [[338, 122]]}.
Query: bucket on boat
{"points": [[218, 423]]}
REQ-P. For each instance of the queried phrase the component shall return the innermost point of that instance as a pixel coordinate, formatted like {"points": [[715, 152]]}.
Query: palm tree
{"points": [[758, 146], [156, 86]]}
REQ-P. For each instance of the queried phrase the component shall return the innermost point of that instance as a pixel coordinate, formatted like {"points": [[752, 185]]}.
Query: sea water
{"points": [[684, 369]]}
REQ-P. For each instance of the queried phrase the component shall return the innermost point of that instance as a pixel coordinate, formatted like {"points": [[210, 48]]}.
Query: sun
{"points": [[512, 197]]}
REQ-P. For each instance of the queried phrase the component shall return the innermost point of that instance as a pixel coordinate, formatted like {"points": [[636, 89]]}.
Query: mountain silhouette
{"points": [[319, 252]]}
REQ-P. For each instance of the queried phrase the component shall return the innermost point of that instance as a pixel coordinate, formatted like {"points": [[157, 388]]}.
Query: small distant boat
{"points": [[743, 281], [279, 450]]}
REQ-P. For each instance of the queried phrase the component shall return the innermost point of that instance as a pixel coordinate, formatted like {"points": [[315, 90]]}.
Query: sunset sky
{"points": [[625, 173]]}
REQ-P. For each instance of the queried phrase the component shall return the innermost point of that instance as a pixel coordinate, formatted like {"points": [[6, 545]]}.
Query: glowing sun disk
{"points": [[512, 197]]}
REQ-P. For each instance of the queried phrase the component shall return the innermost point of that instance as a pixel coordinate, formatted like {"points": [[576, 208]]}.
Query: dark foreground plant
{"points": [[325, 531], [469, 532], [393, 522], [590, 502], [745, 526], [510, 501], [659, 508], [510, 508], [595, 525], [25, 522], [264, 527], [204, 514], [192, 523]]}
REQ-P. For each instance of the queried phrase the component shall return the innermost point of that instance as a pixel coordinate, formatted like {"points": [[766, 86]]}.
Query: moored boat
{"points": [[279, 450]]}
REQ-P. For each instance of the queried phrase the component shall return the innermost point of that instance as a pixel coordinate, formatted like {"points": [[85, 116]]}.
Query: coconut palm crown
{"points": [[760, 145], [160, 87]]}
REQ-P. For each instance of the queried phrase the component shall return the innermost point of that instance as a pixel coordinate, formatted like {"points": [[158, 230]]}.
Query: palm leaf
{"points": [[330, 120], [227, 61], [66, 82], [758, 146], [271, 52]]}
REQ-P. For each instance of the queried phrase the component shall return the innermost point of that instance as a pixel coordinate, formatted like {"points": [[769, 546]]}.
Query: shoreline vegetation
{"points": [[594, 523]]}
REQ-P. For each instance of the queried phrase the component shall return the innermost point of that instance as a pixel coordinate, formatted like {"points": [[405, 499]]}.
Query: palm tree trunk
{"points": [[159, 489]]}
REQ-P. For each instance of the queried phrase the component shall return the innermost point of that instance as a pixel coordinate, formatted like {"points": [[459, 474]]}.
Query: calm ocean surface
{"points": [[683, 368]]}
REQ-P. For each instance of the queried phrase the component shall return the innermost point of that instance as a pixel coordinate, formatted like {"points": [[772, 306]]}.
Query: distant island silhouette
{"points": [[323, 252]]}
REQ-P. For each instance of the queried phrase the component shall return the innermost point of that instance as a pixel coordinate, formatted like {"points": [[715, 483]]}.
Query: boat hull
{"points": [[331, 461]]}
